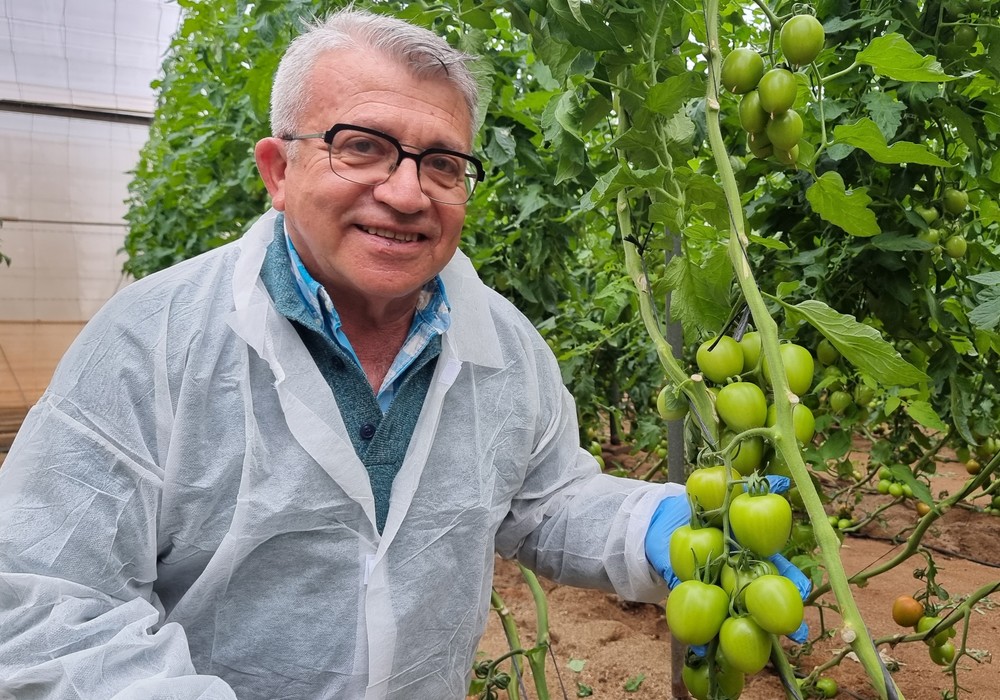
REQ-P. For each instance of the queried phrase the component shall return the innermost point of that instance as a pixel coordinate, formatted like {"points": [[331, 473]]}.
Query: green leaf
{"points": [[924, 413], [574, 7], [989, 211], [848, 211], [861, 344], [904, 475], [669, 96], [865, 134], [892, 56], [576, 665], [986, 316], [885, 110], [633, 683], [700, 298]]}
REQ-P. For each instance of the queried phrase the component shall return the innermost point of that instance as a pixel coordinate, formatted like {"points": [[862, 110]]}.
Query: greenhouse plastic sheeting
{"points": [[70, 70]]}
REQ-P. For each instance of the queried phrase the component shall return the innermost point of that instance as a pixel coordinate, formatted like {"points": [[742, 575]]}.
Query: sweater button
{"points": [[367, 431]]}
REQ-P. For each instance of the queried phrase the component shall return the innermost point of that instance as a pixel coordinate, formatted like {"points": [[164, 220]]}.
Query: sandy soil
{"points": [[620, 641]]}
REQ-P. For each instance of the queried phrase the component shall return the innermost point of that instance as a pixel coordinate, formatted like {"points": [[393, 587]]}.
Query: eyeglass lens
{"points": [[369, 160]]}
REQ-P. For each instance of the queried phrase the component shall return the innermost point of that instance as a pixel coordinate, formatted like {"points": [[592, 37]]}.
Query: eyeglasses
{"points": [[369, 157]]}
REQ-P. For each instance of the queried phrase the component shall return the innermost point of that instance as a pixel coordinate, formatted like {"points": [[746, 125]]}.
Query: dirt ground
{"points": [[619, 641]]}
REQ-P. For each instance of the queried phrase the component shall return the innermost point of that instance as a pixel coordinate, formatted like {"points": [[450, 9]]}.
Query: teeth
{"points": [[394, 235]]}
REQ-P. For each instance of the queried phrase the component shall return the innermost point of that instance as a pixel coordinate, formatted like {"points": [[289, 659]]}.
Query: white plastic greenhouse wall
{"points": [[75, 103]]}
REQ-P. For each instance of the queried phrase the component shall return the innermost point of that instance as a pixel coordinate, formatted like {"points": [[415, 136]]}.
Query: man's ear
{"points": [[271, 163]]}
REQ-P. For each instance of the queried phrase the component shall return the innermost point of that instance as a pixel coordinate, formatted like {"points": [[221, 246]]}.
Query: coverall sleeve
{"points": [[570, 522], [79, 496]]}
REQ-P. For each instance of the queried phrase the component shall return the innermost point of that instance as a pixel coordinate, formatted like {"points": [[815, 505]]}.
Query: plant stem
{"points": [[536, 655], [513, 642]]}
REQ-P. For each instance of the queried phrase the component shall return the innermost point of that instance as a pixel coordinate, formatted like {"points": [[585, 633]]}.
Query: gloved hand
{"points": [[675, 511]]}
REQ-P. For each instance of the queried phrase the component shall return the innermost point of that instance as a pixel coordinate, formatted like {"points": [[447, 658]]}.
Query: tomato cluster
{"points": [[766, 110], [907, 611], [946, 233], [731, 596], [736, 370]]}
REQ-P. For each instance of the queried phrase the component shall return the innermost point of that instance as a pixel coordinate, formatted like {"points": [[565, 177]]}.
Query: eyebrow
{"points": [[458, 148]]}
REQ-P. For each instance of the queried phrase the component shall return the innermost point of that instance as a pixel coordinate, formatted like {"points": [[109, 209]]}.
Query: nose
{"points": [[402, 189]]}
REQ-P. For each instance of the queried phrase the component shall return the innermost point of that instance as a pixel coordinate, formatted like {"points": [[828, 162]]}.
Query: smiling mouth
{"points": [[392, 235]]}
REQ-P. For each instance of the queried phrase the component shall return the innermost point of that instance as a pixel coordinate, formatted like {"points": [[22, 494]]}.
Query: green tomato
{"points": [[803, 421], [863, 394], [749, 454], [761, 523], [734, 581], [670, 405], [789, 157], [742, 406], [753, 118], [883, 486], [965, 36], [785, 129], [802, 39], [774, 604], [719, 363], [799, 367], [750, 345], [956, 246], [895, 489], [928, 622], [955, 201], [840, 401], [803, 536], [696, 611], [928, 214], [706, 486], [691, 548], [744, 644], [944, 654], [760, 145], [827, 686], [777, 90], [696, 680], [742, 70], [827, 353]]}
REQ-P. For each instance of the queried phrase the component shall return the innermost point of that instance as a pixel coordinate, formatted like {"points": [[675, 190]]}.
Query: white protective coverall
{"points": [[183, 515]]}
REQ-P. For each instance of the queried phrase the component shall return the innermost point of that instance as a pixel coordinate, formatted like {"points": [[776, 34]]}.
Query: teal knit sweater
{"points": [[379, 440]]}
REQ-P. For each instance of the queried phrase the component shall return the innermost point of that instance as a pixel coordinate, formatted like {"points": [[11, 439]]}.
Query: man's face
{"points": [[371, 246]]}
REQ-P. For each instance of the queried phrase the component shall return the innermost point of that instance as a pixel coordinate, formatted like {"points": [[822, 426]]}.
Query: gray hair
{"points": [[422, 51]]}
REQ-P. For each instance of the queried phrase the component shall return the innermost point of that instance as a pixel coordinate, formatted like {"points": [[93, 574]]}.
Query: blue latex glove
{"points": [[675, 511]]}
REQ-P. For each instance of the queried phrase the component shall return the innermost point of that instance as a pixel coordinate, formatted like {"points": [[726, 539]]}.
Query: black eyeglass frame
{"points": [[416, 157]]}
